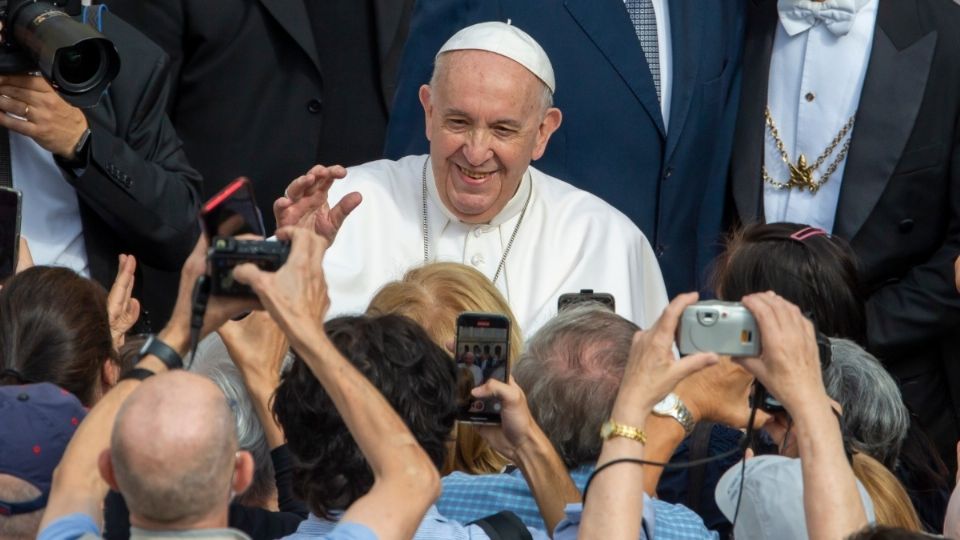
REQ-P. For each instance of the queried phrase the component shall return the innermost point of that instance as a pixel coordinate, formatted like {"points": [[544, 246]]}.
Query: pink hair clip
{"points": [[807, 232]]}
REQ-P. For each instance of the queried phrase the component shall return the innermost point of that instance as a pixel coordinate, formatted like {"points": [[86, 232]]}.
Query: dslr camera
{"points": [[720, 327], [77, 60], [227, 252]]}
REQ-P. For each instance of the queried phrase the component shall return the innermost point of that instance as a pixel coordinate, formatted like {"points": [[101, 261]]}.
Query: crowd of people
{"points": [[746, 152]]}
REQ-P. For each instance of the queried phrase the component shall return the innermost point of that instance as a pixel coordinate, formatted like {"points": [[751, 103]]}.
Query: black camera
{"points": [[228, 252], [77, 60]]}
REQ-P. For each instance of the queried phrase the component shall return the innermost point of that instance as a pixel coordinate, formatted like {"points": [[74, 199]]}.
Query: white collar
{"points": [[798, 16], [512, 209]]}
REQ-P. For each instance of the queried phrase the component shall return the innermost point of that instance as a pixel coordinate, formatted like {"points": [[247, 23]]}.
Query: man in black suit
{"points": [[268, 88], [113, 175], [890, 184]]}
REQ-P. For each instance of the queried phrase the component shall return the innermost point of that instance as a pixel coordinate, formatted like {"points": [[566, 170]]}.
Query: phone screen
{"points": [[9, 231], [483, 341], [233, 211]]}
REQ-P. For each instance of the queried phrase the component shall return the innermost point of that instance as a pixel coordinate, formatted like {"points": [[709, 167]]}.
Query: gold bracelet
{"points": [[611, 429]]}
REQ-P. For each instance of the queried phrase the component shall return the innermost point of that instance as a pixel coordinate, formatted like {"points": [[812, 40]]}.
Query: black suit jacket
{"points": [[137, 193], [899, 202], [248, 83]]}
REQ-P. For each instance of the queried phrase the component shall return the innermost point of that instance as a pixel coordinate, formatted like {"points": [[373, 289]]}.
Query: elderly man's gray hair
{"points": [[874, 415], [214, 362], [571, 372]]}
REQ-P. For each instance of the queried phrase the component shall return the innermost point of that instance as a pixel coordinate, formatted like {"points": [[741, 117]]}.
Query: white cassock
{"points": [[568, 240]]}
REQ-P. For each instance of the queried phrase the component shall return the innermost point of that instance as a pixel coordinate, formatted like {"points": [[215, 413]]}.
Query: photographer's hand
{"points": [[41, 114], [521, 440], [296, 294], [219, 309], [306, 202], [122, 307]]}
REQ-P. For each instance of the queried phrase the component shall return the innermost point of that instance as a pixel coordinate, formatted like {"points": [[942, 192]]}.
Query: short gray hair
{"points": [[213, 361], [874, 415], [439, 68], [571, 372]]}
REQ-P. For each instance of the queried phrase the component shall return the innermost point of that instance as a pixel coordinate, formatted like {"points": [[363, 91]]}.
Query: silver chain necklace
{"points": [[426, 229]]}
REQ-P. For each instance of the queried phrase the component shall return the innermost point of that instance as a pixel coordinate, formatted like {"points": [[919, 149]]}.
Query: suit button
{"points": [[668, 173], [661, 249], [313, 106], [906, 226]]}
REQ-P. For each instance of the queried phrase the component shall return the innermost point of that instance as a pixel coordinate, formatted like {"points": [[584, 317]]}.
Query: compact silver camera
{"points": [[718, 327]]}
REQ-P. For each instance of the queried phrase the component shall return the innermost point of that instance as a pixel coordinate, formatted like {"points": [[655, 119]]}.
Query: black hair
{"points": [[416, 377], [818, 273]]}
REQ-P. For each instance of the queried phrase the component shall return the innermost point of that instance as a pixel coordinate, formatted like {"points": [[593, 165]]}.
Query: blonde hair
{"points": [[891, 504], [434, 295]]}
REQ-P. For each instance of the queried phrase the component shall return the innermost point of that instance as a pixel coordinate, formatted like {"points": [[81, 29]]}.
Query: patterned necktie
{"points": [[645, 24]]}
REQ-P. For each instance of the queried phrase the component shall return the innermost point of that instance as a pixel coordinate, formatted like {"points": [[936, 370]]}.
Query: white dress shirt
{"points": [[665, 56], [568, 240], [814, 87], [50, 218]]}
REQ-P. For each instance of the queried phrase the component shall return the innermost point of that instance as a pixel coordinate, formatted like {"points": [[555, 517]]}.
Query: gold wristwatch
{"points": [[611, 429], [672, 407]]}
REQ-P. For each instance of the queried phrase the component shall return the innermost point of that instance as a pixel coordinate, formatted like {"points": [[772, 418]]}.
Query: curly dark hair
{"points": [[415, 376]]}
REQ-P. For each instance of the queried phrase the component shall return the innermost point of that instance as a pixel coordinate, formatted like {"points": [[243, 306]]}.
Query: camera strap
{"points": [[6, 166]]}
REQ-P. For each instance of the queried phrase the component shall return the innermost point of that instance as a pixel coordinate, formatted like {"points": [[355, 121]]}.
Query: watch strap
{"points": [[137, 373], [164, 352], [680, 413]]}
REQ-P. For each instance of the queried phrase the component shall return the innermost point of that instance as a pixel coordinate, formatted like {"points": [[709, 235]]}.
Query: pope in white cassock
{"points": [[475, 199]]}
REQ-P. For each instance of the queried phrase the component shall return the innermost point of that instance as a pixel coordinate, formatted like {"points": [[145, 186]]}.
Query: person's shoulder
{"points": [[385, 177], [350, 531], [572, 205], [71, 527], [131, 43], [672, 520]]}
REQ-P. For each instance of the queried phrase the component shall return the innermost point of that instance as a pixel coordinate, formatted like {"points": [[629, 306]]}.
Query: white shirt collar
{"points": [[798, 16], [513, 207]]}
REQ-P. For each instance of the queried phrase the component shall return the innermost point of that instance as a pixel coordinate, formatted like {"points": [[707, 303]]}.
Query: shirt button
{"points": [[809, 97], [477, 232], [313, 106], [476, 260]]}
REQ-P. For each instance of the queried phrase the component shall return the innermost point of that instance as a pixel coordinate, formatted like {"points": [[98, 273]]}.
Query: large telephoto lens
{"points": [[74, 57]]}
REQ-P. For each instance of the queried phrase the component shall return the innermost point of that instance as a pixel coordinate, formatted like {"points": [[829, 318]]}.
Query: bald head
{"points": [[174, 448]]}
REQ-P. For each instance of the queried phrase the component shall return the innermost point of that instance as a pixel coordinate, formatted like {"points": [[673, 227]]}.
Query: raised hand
{"points": [[296, 294], [306, 202], [123, 309]]}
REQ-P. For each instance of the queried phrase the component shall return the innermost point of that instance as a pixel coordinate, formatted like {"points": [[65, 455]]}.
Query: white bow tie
{"points": [[800, 15]]}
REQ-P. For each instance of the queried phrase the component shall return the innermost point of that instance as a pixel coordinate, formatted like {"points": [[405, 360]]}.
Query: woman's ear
{"points": [[109, 374]]}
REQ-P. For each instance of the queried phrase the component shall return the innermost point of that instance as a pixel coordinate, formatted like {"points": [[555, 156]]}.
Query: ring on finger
{"points": [[26, 111]]}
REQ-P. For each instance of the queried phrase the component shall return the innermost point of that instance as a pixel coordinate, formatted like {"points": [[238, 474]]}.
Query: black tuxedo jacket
{"points": [[137, 193], [248, 83], [899, 202]]}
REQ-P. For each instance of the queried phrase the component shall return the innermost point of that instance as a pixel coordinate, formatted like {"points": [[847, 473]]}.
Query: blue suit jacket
{"points": [[612, 140]]}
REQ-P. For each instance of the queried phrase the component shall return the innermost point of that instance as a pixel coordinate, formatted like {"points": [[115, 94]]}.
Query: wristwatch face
{"points": [[667, 406]]}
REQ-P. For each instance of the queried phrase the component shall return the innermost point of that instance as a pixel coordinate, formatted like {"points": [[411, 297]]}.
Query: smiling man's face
{"points": [[486, 121]]}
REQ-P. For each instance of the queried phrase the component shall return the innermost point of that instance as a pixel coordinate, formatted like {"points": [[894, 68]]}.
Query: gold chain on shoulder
{"points": [[801, 174]]}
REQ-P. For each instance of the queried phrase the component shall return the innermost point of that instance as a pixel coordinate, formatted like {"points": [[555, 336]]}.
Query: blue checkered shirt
{"points": [[466, 498], [433, 527]]}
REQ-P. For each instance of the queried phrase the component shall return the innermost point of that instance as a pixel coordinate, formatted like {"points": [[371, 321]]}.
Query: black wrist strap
{"points": [[164, 352], [137, 373]]}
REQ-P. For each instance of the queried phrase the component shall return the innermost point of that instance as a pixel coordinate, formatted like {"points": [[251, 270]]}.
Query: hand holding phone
{"points": [[10, 201], [483, 345]]}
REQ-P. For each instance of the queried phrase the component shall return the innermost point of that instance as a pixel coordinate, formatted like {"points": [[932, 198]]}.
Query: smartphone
{"points": [[232, 211], [719, 327], [586, 295], [9, 231], [483, 345]]}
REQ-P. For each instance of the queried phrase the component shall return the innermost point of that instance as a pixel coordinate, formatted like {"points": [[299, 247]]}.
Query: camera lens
{"points": [[79, 64]]}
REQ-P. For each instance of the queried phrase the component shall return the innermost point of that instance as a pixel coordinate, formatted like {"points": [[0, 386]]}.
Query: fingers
{"points": [[123, 285], [25, 83], [665, 329], [343, 208], [694, 363]]}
